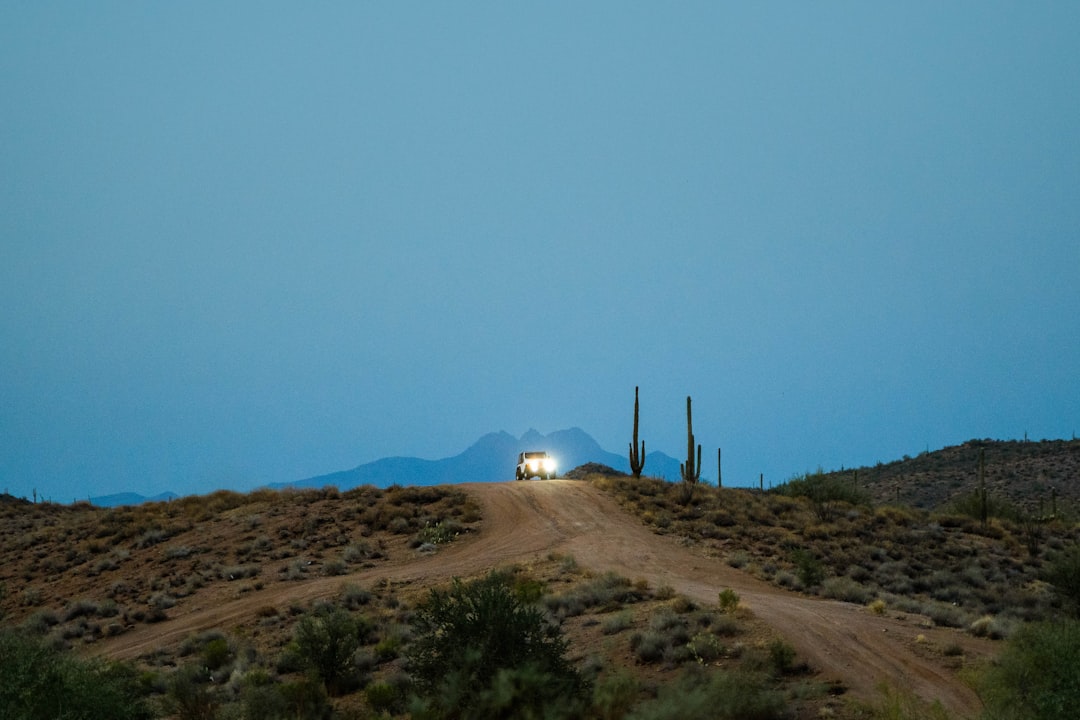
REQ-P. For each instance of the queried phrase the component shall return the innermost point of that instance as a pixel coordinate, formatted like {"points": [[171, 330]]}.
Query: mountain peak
{"points": [[532, 437]]}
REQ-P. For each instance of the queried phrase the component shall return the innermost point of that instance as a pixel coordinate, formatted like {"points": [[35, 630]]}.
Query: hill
{"points": [[1026, 474], [824, 604]]}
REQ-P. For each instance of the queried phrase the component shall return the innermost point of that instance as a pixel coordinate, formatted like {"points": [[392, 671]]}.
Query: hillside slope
{"points": [[1027, 474], [526, 521]]}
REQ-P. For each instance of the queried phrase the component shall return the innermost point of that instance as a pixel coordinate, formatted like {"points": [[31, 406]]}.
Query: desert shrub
{"points": [[649, 646], [261, 699], [714, 695], [614, 695], [947, 615], [1037, 675], [725, 625], [305, 698], [706, 648], [616, 623], [357, 552], [354, 596], [608, 592], [781, 657], [333, 568], [80, 608], [238, 572], [384, 697], [826, 493], [1063, 572], [326, 640], [439, 533], [988, 626], [808, 568], [844, 588], [477, 648], [152, 537], [38, 681], [189, 695], [903, 705], [729, 600], [216, 653], [971, 505]]}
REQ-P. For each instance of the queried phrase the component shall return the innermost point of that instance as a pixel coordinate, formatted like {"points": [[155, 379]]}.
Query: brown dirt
{"points": [[524, 521]]}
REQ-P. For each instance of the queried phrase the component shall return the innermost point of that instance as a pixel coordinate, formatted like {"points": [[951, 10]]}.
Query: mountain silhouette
{"points": [[492, 458], [130, 498]]}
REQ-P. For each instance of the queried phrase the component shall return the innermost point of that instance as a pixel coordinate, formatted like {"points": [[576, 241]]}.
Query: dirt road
{"points": [[523, 520]]}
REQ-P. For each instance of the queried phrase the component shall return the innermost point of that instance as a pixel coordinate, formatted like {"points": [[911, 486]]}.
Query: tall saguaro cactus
{"points": [[637, 459], [719, 470], [690, 471], [984, 510]]}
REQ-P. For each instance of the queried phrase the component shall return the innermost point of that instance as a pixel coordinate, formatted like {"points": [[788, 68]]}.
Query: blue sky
{"points": [[255, 242]]}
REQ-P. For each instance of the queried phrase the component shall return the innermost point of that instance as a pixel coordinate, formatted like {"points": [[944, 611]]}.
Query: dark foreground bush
{"points": [[715, 695], [326, 641], [40, 682], [1037, 676], [1063, 572], [480, 652]]}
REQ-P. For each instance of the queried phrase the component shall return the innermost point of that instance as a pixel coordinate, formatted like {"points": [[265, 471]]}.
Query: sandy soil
{"points": [[526, 520]]}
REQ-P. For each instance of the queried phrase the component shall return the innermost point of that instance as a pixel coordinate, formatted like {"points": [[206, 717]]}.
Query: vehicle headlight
{"points": [[549, 464], [532, 465]]}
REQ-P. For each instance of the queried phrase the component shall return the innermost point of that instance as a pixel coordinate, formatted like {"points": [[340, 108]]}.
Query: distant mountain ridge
{"points": [[492, 458], [130, 498]]}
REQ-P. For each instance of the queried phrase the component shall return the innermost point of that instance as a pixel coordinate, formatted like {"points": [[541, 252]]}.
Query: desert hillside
{"points": [[810, 607], [1030, 475]]}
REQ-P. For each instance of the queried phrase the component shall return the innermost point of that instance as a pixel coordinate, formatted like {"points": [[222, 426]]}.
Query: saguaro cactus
{"points": [[637, 459], [689, 470], [984, 510]]}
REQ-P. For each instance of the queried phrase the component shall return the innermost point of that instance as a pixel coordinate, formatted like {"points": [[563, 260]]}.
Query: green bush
{"points": [[480, 652], [305, 700], [40, 682], [1037, 675], [383, 697], [729, 600], [614, 695], [190, 696], [825, 492], [326, 641], [714, 695], [808, 568], [1063, 572]]}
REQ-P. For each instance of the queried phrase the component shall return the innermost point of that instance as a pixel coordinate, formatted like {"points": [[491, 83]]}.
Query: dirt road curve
{"points": [[529, 519]]}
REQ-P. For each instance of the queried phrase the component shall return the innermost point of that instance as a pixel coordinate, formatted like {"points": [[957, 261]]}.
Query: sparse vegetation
{"points": [[820, 534]]}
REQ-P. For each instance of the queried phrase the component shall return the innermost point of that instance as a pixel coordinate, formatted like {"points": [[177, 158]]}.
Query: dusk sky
{"points": [[244, 243]]}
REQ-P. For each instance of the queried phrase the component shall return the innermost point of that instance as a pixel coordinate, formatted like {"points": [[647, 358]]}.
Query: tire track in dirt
{"points": [[529, 520]]}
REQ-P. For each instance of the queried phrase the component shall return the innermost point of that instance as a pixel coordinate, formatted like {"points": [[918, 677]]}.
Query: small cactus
{"points": [[637, 459]]}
